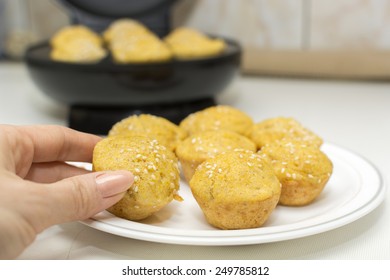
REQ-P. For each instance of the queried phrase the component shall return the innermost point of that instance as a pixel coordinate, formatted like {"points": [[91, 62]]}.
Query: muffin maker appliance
{"points": [[103, 93]]}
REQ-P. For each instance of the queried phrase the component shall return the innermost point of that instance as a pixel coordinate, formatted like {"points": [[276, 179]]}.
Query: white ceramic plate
{"points": [[355, 189]]}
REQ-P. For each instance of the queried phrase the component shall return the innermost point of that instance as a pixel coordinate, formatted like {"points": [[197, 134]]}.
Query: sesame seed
{"points": [[136, 178], [150, 166]]}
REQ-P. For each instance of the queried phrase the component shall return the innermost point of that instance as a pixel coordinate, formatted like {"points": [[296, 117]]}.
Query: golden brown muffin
{"points": [[274, 129], [189, 43], [197, 148], [161, 129], [77, 43], [236, 190], [216, 118], [132, 42], [155, 169], [140, 48], [69, 33], [123, 28], [302, 169]]}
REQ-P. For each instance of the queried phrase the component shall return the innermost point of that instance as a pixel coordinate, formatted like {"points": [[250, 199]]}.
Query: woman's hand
{"points": [[39, 189]]}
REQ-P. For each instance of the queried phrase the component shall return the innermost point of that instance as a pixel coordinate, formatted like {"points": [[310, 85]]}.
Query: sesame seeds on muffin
{"points": [[274, 129], [235, 190], [302, 169], [155, 169], [216, 118], [161, 129], [203, 145]]}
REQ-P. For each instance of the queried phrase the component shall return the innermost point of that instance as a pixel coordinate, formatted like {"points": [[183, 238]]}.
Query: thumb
{"points": [[80, 197]]}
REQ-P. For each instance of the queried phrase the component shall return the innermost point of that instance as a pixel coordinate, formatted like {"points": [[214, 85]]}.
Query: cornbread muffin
{"points": [[155, 169], [197, 148], [187, 43], [218, 117], [122, 28], [77, 43], [139, 48], [236, 190], [302, 169], [161, 129], [274, 129]]}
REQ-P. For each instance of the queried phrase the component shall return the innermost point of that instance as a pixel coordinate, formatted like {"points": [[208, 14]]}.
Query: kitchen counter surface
{"points": [[350, 114]]}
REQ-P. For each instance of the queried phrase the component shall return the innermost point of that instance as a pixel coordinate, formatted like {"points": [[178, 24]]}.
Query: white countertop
{"points": [[354, 115]]}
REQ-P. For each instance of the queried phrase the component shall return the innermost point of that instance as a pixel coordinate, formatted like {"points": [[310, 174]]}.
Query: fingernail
{"points": [[112, 183]]}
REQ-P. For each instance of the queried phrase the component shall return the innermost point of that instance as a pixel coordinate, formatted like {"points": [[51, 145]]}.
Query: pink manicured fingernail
{"points": [[115, 182]]}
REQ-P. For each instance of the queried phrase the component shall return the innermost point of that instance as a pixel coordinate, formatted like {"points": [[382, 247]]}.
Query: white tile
{"points": [[273, 24], [350, 24]]}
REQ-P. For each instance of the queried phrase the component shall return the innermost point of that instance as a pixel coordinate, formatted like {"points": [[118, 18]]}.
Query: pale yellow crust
{"points": [[236, 190], [72, 32], [123, 28], [140, 48], [155, 169], [216, 118], [187, 43], [203, 145], [302, 169], [161, 129], [77, 44], [271, 130]]}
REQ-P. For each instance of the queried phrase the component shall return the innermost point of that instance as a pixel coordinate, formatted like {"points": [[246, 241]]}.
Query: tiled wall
{"points": [[275, 24], [281, 34], [263, 23], [343, 38], [295, 24]]}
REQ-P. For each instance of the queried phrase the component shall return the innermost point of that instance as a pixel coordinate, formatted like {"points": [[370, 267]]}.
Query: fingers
{"points": [[51, 172], [57, 143], [83, 196], [21, 146]]}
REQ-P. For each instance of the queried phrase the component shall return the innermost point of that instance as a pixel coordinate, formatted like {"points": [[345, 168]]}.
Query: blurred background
{"points": [[342, 39]]}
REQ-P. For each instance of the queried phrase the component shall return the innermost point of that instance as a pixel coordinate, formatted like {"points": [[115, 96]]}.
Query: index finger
{"points": [[58, 143]]}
